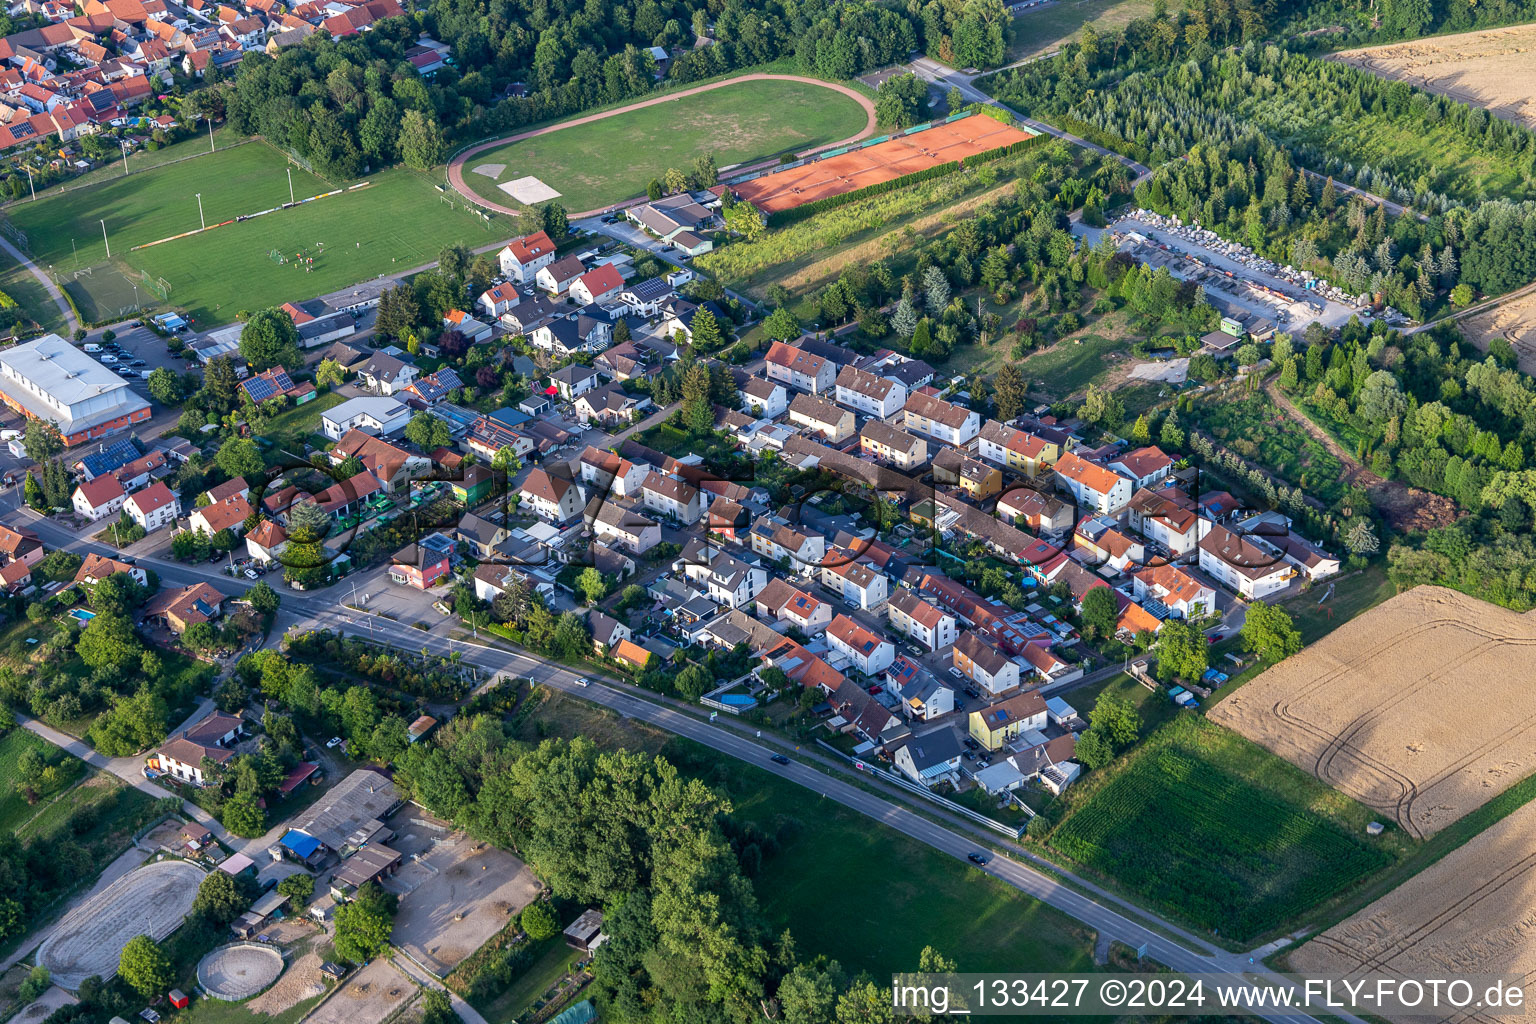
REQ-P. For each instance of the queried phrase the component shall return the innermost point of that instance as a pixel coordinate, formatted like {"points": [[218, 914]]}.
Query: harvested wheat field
{"points": [[1423, 708], [1489, 69], [1514, 321], [1473, 912]]}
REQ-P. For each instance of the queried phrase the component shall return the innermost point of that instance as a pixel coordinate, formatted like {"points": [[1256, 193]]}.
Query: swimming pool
{"points": [[738, 700], [82, 615]]}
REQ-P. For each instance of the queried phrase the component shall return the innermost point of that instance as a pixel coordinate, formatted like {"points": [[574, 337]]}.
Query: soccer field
{"points": [[399, 221], [601, 162]]}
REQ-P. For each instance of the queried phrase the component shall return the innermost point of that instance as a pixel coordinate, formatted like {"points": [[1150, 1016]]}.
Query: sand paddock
{"points": [[1492, 69], [150, 900], [884, 161], [1423, 708], [239, 971], [1473, 912], [1514, 321], [302, 980], [371, 994]]}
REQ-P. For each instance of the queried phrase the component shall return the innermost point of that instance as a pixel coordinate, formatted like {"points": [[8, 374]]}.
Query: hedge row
{"points": [[782, 218]]}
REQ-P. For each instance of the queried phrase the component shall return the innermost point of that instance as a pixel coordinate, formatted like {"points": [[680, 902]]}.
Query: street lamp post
{"points": [[200, 218]]}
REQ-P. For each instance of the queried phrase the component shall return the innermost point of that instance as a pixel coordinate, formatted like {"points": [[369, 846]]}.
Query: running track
{"points": [[456, 166]]}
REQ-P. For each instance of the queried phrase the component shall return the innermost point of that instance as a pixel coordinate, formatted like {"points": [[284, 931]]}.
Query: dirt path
{"points": [[1405, 508], [456, 165], [47, 282]]}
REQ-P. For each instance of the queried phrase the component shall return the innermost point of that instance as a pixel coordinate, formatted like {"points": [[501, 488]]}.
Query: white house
{"points": [[765, 399], [799, 369], [1246, 565], [523, 258], [671, 496], [625, 528], [727, 579], [869, 651], [1145, 466], [786, 603], [1179, 592], [776, 539], [1165, 517], [986, 666], [380, 417], [931, 758], [557, 277], [212, 737], [266, 541], [598, 284], [153, 507], [928, 624], [551, 497], [499, 298], [856, 584], [943, 421], [868, 393], [1092, 486], [96, 499]]}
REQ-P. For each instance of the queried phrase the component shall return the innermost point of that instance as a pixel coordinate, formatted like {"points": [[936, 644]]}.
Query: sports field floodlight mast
{"points": [[104, 239], [290, 185], [200, 217]]}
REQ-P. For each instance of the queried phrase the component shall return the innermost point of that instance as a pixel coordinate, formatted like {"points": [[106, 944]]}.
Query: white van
{"points": [[92, 347], [107, 358]]}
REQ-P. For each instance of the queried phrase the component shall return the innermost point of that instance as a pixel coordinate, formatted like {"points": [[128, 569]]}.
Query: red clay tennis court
{"points": [[884, 161]]}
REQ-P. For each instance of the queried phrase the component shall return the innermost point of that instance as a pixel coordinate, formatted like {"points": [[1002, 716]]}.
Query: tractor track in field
{"points": [[456, 165]]}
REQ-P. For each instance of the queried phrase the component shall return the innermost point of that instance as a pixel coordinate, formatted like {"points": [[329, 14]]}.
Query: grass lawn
{"points": [[1070, 365], [1040, 31], [289, 428], [399, 221], [30, 295], [552, 958], [14, 809], [738, 123], [1199, 823], [872, 898], [1352, 595]]}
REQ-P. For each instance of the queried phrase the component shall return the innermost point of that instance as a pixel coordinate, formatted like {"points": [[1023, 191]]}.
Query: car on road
{"points": [[583, 681], [977, 857], [779, 759]]}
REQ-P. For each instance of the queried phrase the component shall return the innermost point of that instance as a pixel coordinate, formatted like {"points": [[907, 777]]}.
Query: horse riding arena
{"points": [[239, 971], [1472, 912], [1491, 69], [894, 158], [151, 900], [1421, 708]]}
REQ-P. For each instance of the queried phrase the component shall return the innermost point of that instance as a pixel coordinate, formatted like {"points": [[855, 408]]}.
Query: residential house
{"points": [[212, 737], [821, 417], [533, 313], [785, 603], [607, 631], [775, 539], [422, 565], [764, 399], [599, 284], [499, 298], [550, 497], [1016, 449], [610, 405], [386, 374], [928, 624], [986, 666], [1004, 722], [96, 568], [178, 609], [1099, 541], [573, 380], [19, 544], [434, 387], [644, 298], [153, 507], [392, 466], [266, 541], [229, 514], [888, 444], [869, 651], [523, 258], [1026, 507], [727, 579], [1093, 486], [473, 484], [1146, 467], [140, 471], [855, 583], [672, 497], [619, 526], [474, 330], [1183, 595], [869, 393], [1248, 566], [1167, 518], [799, 369], [923, 697], [931, 758], [557, 277], [977, 479], [943, 421], [588, 331], [380, 417], [480, 535], [15, 578], [609, 474]]}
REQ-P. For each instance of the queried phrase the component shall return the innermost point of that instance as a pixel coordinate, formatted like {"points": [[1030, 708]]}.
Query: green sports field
{"points": [[602, 162], [399, 221]]}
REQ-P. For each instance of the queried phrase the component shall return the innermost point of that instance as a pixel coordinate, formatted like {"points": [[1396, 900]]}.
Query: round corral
{"points": [[151, 900], [238, 971]]}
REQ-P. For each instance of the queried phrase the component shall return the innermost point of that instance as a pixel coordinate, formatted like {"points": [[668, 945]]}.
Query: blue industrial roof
{"points": [[303, 846]]}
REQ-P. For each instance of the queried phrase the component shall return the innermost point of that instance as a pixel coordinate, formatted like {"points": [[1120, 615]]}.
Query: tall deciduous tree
{"points": [[270, 338]]}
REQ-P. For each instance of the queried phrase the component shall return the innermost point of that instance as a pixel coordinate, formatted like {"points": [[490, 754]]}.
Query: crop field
{"points": [[399, 221], [600, 162], [1041, 30], [1471, 911], [1490, 69], [1367, 709], [1202, 824]]}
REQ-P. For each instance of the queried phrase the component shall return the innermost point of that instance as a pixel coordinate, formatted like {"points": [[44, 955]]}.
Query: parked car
{"points": [[252, 574], [333, 743]]}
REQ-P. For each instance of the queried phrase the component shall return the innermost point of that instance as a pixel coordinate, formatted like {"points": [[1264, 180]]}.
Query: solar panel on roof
{"points": [[260, 389]]}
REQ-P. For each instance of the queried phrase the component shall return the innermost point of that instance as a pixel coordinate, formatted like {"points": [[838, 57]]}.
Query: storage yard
{"points": [[917, 150], [1489, 69], [1369, 709], [1470, 913], [1236, 276]]}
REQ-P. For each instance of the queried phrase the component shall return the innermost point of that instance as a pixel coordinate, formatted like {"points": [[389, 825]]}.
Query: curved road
{"points": [[456, 165]]}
